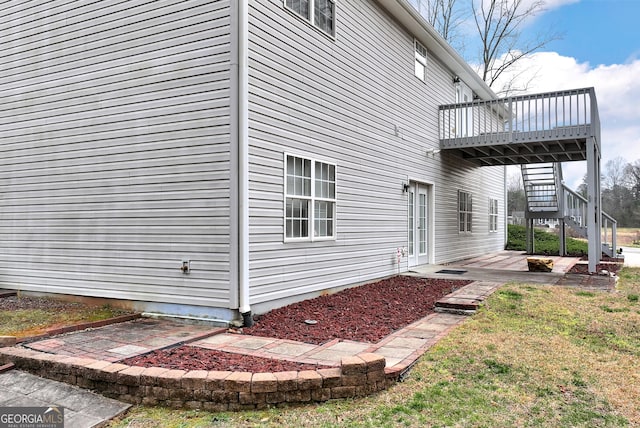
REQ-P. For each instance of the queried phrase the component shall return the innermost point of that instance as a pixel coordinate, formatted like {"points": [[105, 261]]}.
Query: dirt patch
{"points": [[366, 314], [192, 358]]}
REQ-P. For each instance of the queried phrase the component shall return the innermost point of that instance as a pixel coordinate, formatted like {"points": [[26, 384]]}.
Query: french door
{"points": [[418, 224]]}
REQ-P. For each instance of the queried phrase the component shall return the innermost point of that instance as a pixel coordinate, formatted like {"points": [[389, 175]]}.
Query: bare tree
{"points": [[632, 178], [516, 199], [446, 16], [614, 173], [499, 24]]}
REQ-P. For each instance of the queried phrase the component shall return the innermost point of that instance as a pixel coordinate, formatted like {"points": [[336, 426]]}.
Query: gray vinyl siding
{"points": [[115, 166], [353, 101]]}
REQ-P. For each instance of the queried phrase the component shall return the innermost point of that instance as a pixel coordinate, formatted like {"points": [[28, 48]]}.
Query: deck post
{"points": [[563, 237], [594, 209], [530, 232]]}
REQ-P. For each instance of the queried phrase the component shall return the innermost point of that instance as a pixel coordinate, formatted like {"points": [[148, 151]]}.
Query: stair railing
{"points": [[575, 208]]}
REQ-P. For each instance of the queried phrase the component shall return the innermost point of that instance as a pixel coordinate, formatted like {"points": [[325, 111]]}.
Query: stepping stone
{"points": [[458, 303]]}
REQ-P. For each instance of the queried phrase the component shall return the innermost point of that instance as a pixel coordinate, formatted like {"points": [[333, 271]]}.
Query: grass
{"points": [[628, 237], [34, 321], [533, 356], [546, 242]]}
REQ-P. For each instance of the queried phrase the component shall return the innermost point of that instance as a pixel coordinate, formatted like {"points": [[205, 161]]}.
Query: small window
{"points": [[421, 61], [320, 13], [310, 203], [465, 209], [493, 215]]}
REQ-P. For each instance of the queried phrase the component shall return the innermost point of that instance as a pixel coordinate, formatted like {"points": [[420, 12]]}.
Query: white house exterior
{"points": [[275, 154]]}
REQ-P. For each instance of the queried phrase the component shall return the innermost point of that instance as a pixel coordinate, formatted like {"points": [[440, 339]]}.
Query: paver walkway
{"points": [[119, 341], [81, 408]]}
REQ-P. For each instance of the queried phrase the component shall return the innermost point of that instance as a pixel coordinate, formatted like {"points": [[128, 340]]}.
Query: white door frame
{"points": [[420, 223]]}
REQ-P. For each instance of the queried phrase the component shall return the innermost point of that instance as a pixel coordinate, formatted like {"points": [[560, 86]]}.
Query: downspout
{"points": [[243, 162]]}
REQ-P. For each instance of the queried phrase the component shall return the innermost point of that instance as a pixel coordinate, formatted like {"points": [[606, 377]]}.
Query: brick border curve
{"points": [[357, 376]]}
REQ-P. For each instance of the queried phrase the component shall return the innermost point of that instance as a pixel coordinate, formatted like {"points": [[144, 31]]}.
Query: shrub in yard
{"points": [[545, 242]]}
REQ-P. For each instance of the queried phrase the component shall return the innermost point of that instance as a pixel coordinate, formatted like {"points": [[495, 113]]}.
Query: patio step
{"points": [[466, 300], [457, 305]]}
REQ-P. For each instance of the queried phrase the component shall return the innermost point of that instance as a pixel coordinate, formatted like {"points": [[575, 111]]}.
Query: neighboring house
{"points": [[212, 158]]}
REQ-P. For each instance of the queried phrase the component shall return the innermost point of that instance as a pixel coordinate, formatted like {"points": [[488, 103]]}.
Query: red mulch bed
{"points": [[187, 357], [366, 314], [613, 265], [584, 269]]}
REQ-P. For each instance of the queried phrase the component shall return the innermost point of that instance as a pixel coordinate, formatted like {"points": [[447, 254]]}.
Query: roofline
{"points": [[424, 32]]}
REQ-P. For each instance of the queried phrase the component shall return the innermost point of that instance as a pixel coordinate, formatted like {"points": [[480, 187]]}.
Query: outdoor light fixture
{"points": [[432, 152], [456, 79], [405, 187]]}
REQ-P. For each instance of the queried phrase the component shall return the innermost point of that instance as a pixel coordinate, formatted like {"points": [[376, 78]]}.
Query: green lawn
{"points": [[546, 241], [534, 356]]}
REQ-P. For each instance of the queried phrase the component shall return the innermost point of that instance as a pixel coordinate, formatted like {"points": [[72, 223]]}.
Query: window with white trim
{"points": [[493, 215], [310, 199], [465, 212], [421, 60], [319, 13]]}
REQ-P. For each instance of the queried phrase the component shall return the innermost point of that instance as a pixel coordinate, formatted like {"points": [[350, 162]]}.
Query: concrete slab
{"points": [[253, 342], [351, 348], [128, 350], [491, 275], [83, 409], [391, 352], [631, 256], [291, 349], [406, 342], [218, 339]]}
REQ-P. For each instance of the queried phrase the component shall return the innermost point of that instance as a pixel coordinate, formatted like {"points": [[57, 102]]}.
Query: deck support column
{"points": [[530, 232], [563, 237], [594, 208]]}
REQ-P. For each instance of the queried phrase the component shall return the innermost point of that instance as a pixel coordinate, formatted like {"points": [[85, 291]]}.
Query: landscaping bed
{"points": [[193, 358], [607, 263], [365, 314]]}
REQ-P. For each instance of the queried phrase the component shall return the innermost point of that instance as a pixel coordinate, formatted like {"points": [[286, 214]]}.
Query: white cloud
{"points": [[617, 90]]}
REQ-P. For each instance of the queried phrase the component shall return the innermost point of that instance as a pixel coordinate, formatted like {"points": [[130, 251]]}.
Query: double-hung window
{"points": [[320, 13], [310, 199], [465, 210], [493, 215], [421, 60]]}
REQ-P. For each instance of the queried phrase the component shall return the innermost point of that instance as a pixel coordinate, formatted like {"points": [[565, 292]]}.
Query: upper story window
{"points": [[320, 13], [465, 211], [310, 199], [493, 215], [421, 61]]}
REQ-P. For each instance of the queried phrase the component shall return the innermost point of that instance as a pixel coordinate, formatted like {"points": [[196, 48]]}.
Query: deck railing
{"points": [[575, 208], [552, 115]]}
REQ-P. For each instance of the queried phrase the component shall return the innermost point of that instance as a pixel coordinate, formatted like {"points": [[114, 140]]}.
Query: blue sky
{"points": [[595, 31], [600, 48]]}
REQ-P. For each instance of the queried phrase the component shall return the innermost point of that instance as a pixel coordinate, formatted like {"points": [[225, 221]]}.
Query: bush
{"points": [[546, 242]]}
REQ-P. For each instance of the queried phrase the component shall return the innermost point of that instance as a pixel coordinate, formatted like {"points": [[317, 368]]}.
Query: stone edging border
{"points": [[357, 376]]}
